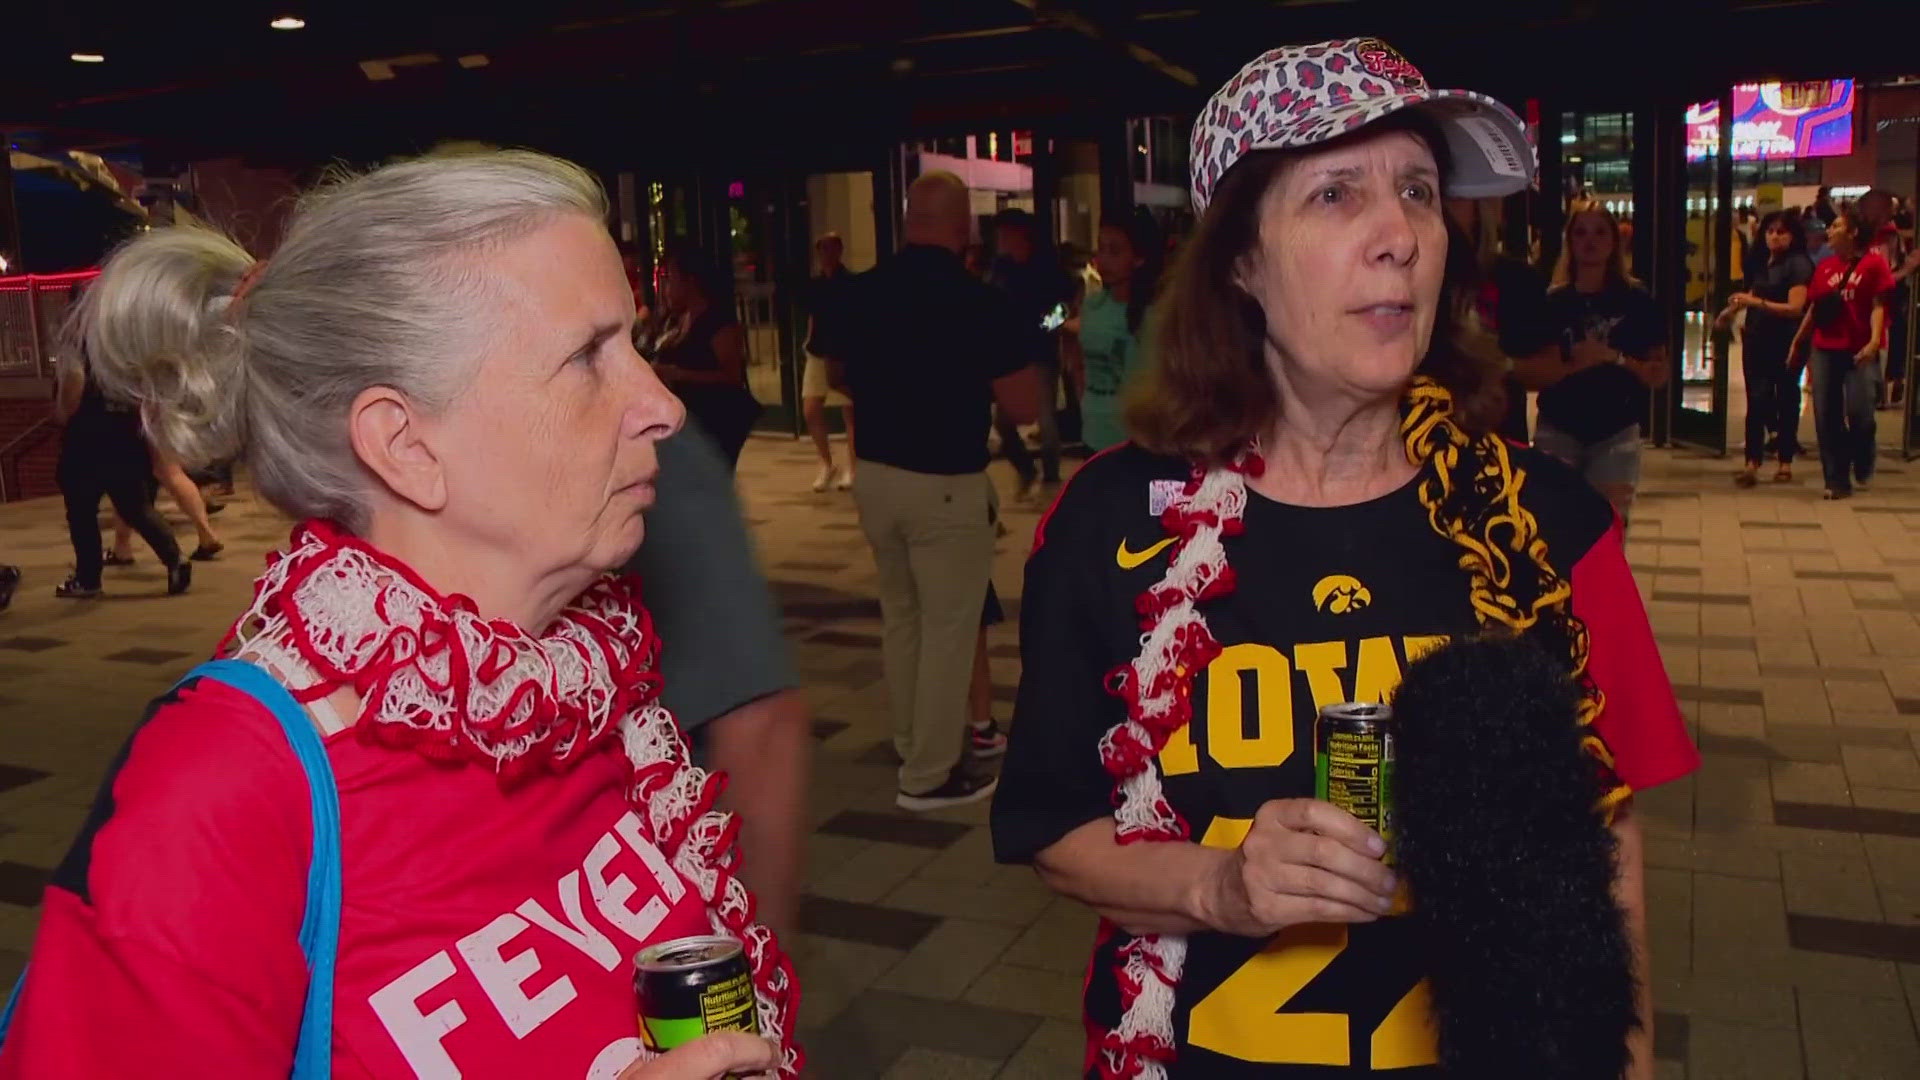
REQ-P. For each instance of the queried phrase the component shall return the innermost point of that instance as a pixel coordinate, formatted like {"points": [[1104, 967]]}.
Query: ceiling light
{"points": [[87, 58], [289, 22]]}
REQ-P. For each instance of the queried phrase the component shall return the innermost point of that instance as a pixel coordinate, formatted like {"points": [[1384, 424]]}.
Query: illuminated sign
{"points": [[1778, 120]]}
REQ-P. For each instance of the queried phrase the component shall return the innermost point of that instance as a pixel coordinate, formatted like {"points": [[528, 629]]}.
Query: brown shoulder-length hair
{"points": [[1206, 393]]}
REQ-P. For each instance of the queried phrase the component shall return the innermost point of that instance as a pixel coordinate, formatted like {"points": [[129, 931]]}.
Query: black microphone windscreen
{"points": [[1510, 865]]}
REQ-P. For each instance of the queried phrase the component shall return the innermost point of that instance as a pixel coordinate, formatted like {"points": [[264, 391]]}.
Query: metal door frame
{"points": [[1910, 431], [1692, 427]]}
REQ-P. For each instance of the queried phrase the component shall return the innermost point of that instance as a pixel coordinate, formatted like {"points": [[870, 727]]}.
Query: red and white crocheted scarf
{"points": [[1157, 687], [435, 677]]}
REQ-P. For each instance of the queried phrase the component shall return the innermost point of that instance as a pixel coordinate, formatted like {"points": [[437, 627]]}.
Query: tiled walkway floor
{"points": [[1784, 881]]}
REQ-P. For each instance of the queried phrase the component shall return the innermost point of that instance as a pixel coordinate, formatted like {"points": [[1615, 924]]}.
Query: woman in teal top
{"points": [[1128, 258]]}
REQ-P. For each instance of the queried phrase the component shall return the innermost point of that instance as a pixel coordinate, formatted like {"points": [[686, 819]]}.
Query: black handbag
{"points": [[1831, 307]]}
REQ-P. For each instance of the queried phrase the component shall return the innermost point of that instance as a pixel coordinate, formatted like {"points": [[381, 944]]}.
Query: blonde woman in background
{"points": [[1596, 393]]}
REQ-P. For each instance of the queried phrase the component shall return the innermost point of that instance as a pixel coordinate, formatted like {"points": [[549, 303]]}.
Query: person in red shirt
{"points": [[1879, 210], [435, 376], [1846, 321]]}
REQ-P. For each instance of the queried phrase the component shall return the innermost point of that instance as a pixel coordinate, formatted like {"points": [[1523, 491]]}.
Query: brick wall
{"points": [[36, 466]]}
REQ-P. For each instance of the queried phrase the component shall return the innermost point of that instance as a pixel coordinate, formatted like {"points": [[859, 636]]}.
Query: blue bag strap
{"points": [[320, 925], [13, 999]]}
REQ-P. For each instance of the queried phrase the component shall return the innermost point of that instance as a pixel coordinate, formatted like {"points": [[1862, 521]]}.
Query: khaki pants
{"points": [[932, 539]]}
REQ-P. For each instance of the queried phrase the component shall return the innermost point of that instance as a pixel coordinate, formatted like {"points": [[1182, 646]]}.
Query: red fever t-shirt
{"points": [[1861, 289], [484, 933]]}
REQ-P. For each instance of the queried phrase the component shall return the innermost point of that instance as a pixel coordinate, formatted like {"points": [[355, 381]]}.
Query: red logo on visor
{"points": [[1382, 59]]}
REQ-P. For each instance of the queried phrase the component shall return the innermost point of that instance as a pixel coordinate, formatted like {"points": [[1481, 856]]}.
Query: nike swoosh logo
{"points": [[1133, 560]]}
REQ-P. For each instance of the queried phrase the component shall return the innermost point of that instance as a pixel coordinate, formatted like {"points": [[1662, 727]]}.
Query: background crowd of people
{"points": [[1333, 382], [1584, 343]]}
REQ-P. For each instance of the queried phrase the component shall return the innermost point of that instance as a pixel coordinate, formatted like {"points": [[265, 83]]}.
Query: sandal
{"points": [[1783, 475], [1745, 478], [205, 552], [71, 589], [110, 558], [1830, 494]]}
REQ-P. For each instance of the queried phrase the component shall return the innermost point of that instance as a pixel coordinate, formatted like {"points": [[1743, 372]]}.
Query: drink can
{"points": [[1353, 752], [691, 986]]}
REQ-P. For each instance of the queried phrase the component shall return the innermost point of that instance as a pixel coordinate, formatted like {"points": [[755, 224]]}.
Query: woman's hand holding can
{"points": [[1303, 860], [709, 1057]]}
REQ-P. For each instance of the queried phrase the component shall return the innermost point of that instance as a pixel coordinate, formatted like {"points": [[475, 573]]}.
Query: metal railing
{"points": [[32, 307]]}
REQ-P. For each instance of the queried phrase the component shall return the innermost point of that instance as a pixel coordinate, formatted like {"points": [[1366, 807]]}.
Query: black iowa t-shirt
{"points": [[1330, 605]]}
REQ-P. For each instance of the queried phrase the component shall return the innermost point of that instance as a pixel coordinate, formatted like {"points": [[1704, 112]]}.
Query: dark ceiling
{"points": [[656, 81]]}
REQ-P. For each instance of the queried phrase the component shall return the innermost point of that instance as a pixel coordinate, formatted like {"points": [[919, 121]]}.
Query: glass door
{"points": [[1703, 351], [1597, 155]]}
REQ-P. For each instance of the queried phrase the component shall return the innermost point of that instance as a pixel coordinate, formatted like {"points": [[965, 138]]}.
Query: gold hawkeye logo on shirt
{"points": [[1133, 560], [1338, 594]]}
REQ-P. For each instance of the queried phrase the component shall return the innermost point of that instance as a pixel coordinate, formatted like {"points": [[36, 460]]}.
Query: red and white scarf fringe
{"points": [[1157, 687], [435, 677]]}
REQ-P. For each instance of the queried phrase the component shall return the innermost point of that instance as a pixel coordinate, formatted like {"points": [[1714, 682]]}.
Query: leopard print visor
{"points": [[1300, 95]]}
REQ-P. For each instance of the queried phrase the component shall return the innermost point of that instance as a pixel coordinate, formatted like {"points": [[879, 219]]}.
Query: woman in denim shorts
{"points": [[1613, 354]]}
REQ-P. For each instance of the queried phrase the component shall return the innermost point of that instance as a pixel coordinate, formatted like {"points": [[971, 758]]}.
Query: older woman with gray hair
{"points": [[424, 808]]}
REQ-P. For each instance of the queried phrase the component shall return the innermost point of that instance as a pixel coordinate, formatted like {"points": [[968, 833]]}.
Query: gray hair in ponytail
{"points": [[375, 284]]}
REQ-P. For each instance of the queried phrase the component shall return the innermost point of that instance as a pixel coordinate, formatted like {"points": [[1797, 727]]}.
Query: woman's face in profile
{"points": [[548, 455], [1840, 234], [1350, 262]]}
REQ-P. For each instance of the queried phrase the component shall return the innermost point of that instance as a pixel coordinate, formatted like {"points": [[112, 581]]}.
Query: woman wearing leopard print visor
{"points": [[1311, 500]]}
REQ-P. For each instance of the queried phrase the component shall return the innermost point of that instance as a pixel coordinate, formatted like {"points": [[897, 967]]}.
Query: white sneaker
{"points": [[845, 481], [823, 478]]}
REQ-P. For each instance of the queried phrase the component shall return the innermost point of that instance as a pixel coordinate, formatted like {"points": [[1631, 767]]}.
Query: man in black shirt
{"points": [[926, 350]]}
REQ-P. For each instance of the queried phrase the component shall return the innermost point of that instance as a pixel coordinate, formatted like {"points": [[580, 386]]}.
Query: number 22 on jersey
{"points": [[1245, 1016]]}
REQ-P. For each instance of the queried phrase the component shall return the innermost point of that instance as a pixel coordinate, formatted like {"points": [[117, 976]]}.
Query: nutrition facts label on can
{"points": [[1356, 771], [728, 1005]]}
